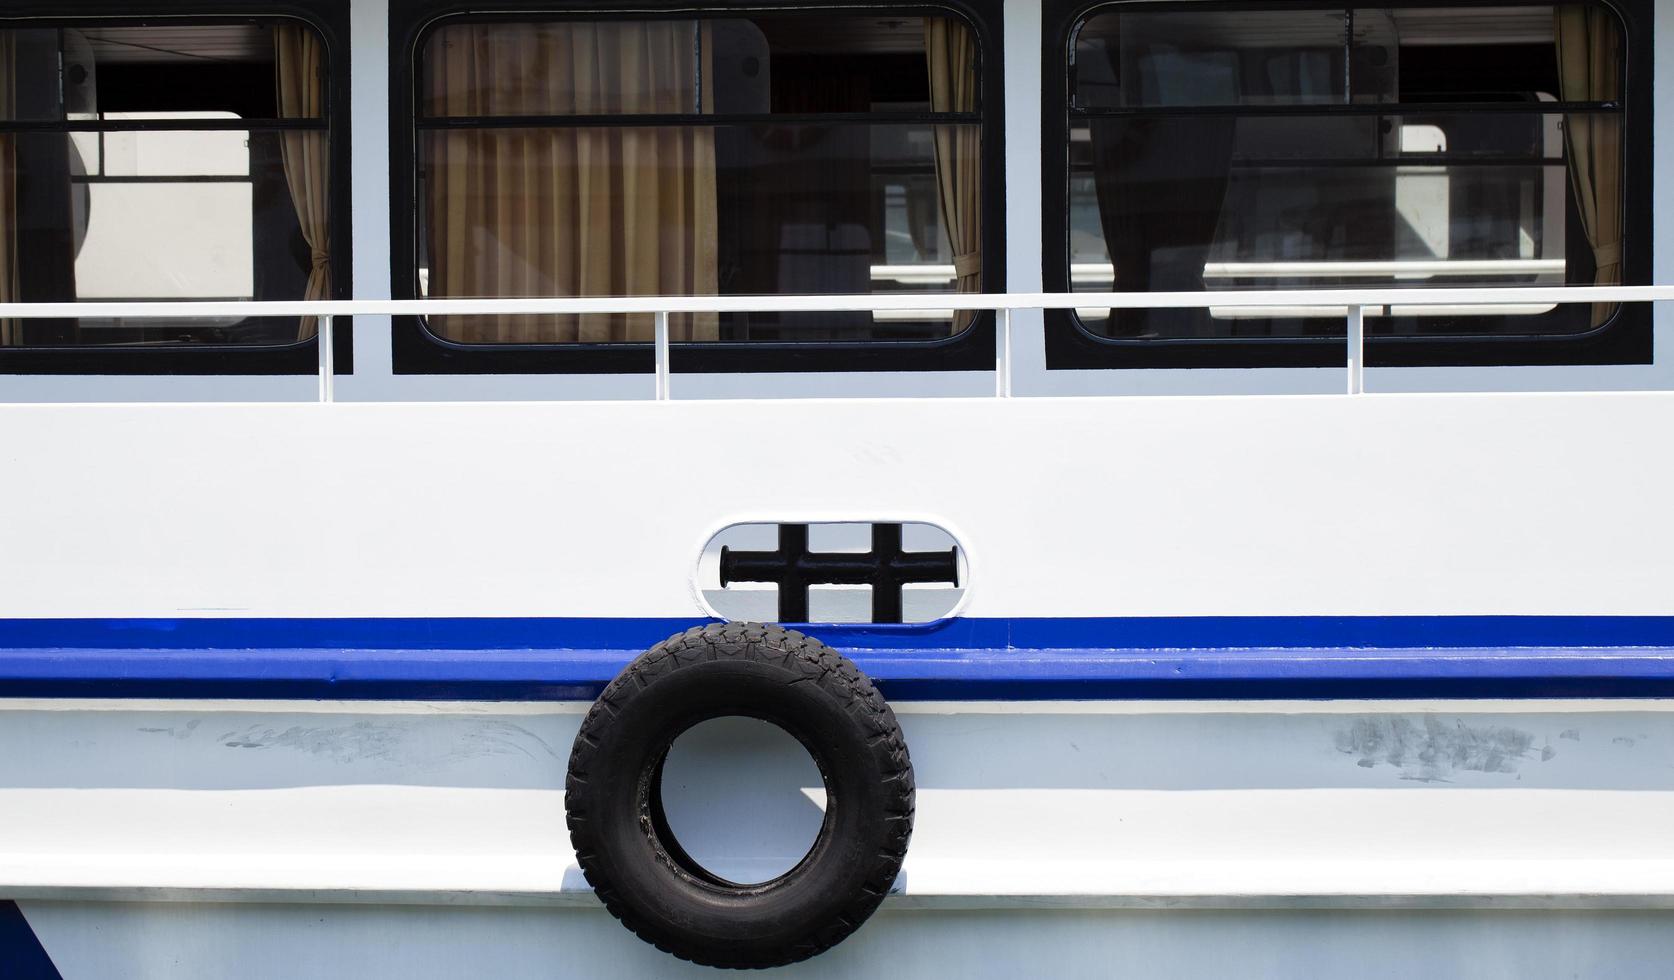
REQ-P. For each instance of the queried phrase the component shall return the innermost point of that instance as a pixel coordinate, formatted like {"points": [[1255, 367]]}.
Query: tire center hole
{"points": [[743, 798]]}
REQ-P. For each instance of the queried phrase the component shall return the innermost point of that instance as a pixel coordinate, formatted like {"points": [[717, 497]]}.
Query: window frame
{"points": [[1626, 338], [417, 350], [331, 21]]}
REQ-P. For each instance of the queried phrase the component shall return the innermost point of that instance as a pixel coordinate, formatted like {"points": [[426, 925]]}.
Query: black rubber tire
{"points": [[621, 836]]}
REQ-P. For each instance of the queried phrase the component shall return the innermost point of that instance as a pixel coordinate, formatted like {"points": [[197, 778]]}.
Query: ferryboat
{"points": [[979, 488]]}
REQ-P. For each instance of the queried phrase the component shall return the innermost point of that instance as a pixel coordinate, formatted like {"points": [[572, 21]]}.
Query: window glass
{"points": [[1211, 58], [799, 154], [186, 162], [1321, 148]]}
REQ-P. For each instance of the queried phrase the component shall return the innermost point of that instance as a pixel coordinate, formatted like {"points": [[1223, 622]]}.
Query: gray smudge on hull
{"points": [[1433, 749], [181, 732], [344, 743], [395, 742]]}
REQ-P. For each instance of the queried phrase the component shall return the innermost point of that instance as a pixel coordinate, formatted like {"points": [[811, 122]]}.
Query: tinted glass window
{"points": [[163, 163], [779, 154], [1340, 147]]}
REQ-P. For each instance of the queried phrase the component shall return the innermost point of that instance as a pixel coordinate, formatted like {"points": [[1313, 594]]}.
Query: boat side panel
{"points": [[208, 942], [1302, 506]]}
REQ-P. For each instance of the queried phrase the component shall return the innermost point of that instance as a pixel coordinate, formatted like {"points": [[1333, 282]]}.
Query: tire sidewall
{"points": [[827, 893]]}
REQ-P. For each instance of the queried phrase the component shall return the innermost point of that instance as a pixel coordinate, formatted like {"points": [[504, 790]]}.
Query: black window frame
{"points": [[331, 20], [417, 350], [1626, 338]]}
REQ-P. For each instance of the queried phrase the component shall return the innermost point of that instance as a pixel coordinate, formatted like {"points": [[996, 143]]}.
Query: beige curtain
{"points": [[300, 63], [565, 211], [951, 50], [11, 331], [1589, 70]]}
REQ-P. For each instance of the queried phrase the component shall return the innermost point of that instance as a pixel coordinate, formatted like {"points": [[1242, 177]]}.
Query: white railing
{"points": [[1351, 304]]}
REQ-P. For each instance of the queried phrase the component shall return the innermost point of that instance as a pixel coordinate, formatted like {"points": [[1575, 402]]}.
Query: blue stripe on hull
{"points": [[1058, 633], [1021, 659]]}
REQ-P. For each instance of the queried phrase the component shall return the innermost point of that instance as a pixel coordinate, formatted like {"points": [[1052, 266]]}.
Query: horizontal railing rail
{"points": [[1351, 304], [864, 302]]}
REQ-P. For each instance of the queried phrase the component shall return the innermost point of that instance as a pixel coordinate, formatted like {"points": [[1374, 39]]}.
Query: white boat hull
{"points": [[1280, 839]]}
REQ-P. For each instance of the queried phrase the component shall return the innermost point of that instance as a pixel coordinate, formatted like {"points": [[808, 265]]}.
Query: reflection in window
{"points": [[162, 163], [1346, 147], [800, 154]]}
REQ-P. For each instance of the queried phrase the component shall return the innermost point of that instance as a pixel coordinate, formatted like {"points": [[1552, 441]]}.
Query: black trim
{"points": [[885, 567], [416, 350], [331, 19], [1625, 339]]}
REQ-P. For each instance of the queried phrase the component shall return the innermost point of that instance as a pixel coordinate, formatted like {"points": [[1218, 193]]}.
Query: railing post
{"points": [[1002, 353], [660, 319], [328, 363], [1356, 349]]}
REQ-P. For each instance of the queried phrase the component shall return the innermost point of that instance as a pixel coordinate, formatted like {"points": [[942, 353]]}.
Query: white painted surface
{"points": [[370, 218], [113, 389], [1025, 191], [1281, 299], [208, 942], [1662, 190], [1430, 805], [1541, 504]]}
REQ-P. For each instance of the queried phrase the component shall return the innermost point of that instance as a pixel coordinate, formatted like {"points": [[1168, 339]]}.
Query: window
{"points": [[180, 162], [1224, 149], [779, 153]]}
